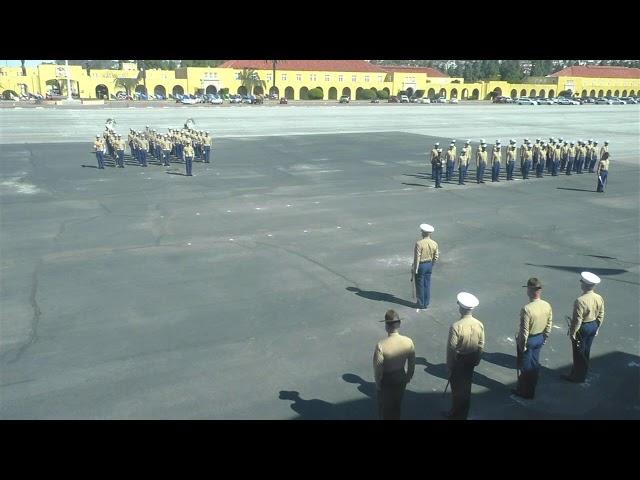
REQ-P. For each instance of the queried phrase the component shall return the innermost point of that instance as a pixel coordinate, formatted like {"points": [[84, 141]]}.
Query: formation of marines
{"points": [[184, 145], [553, 157], [466, 339]]}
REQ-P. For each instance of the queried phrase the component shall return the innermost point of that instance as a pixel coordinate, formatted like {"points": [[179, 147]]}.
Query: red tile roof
{"points": [[306, 65], [595, 71], [431, 72]]}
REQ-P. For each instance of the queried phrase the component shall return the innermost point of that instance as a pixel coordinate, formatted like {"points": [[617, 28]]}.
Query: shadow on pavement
{"points": [[381, 297], [568, 268]]}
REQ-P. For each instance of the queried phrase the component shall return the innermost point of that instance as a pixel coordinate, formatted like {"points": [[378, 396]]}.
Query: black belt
{"points": [[426, 261]]}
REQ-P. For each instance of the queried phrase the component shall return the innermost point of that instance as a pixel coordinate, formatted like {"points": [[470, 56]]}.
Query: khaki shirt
{"points": [[391, 354], [535, 317], [586, 308], [604, 149], [571, 151], [511, 154], [426, 251], [120, 144], [463, 160], [98, 145], [481, 157], [465, 336], [528, 155], [451, 155], [557, 152], [537, 148], [603, 166], [144, 144], [496, 156], [455, 151], [434, 154], [523, 149], [188, 150], [564, 150], [207, 141], [581, 151]]}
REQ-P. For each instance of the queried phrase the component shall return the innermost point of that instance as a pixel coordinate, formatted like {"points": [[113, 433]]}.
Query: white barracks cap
{"points": [[590, 278], [467, 300], [425, 227]]}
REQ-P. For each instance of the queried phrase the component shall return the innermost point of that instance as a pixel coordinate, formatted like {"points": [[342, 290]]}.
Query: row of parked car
{"points": [[405, 99], [568, 101]]}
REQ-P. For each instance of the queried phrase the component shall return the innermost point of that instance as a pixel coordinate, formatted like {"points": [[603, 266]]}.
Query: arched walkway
{"points": [[333, 93], [616, 93], [321, 90], [514, 93], [551, 93], [542, 92], [160, 90], [453, 93], [431, 93], [624, 93], [141, 89], [178, 90], [632, 93], [465, 92], [211, 90], [258, 90], [304, 93], [523, 93], [275, 90], [386, 90], [346, 91], [584, 93], [592, 93], [497, 91], [102, 92], [409, 92], [358, 93], [288, 93], [443, 93], [600, 93], [608, 93], [475, 95], [532, 93]]}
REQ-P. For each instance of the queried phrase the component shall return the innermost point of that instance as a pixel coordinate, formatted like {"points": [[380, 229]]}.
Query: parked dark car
{"points": [[393, 99], [345, 99], [283, 101]]}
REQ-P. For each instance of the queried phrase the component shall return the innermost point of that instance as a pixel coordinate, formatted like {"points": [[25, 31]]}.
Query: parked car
{"points": [[393, 99], [404, 99], [617, 101], [235, 99], [424, 100], [453, 100], [629, 100], [603, 101], [585, 100], [526, 101], [567, 101], [375, 100], [273, 96], [215, 100], [440, 100], [500, 99], [544, 101], [345, 99], [187, 100], [413, 99], [257, 100], [159, 96], [284, 101]]}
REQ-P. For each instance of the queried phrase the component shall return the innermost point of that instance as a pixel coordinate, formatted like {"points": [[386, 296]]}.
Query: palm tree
{"points": [[250, 79], [127, 83], [273, 64]]}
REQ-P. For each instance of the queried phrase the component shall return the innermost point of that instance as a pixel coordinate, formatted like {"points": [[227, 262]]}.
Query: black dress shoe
{"points": [[518, 394]]}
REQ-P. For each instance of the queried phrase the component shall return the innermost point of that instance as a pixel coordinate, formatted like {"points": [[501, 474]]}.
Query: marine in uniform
{"points": [[511, 159], [580, 152], [425, 255], [587, 318], [557, 154], [464, 351], [536, 151], [166, 150], [481, 163], [605, 148], [571, 156], [594, 157], [536, 319], [144, 148], [543, 159], [120, 146], [98, 148], [526, 162], [463, 163], [188, 158], [434, 154], [522, 150], [496, 159], [603, 172], [451, 161], [551, 147], [438, 164], [389, 359], [207, 143]]}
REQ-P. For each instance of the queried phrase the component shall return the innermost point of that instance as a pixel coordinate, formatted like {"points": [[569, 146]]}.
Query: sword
{"points": [[413, 286]]}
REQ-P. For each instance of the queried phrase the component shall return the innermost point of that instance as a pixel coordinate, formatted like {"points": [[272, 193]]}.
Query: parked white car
{"points": [[216, 100], [453, 100], [189, 101], [424, 100], [403, 99], [526, 101], [604, 101]]}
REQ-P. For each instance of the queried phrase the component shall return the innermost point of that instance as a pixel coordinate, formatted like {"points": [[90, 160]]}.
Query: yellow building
{"points": [[294, 79]]}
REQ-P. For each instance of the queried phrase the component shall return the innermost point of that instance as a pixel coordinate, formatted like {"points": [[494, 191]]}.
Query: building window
{"points": [[268, 77], [237, 75], [366, 78], [284, 76], [353, 78], [379, 78], [327, 78], [298, 77], [340, 78], [313, 77]]}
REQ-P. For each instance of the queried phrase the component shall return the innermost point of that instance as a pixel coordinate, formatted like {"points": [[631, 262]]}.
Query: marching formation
{"points": [[467, 339], [553, 156], [184, 145]]}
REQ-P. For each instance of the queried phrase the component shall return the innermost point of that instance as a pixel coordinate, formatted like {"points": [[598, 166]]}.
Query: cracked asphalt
{"points": [[254, 289]]}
